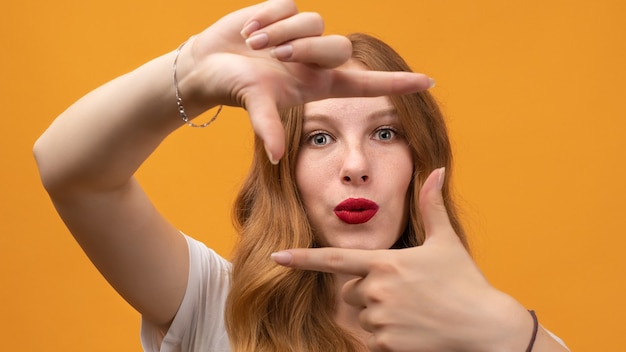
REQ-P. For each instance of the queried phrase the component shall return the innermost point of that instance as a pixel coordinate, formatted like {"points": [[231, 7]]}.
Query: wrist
{"points": [[191, 83], [179, 99], [508, 326]]}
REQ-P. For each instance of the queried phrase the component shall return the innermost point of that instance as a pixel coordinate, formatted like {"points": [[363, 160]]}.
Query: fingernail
{"points": [[249, 28], [258, 41], [282, 258], [432, 83], [270, 156], [441, 178], [282, 52]]}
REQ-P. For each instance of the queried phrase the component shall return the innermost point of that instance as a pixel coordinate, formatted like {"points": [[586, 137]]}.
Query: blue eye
{"points": [[320, 138], [385, 134]]}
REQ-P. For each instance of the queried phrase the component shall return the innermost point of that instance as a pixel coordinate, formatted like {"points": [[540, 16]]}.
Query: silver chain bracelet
{"points": [[179, 99]]}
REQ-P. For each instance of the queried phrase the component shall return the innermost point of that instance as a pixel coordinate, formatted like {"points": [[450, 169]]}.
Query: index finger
{"points": [[366, 83], [330, 260]]}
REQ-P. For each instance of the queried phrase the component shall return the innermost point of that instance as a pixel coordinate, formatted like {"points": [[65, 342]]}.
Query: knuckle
{"points": [[384, 266], [314, 20], [335, 260], [285, 6], [343, 50], [345, 45], [373, 293], [380, 342], [290, 6], [372, 319]]}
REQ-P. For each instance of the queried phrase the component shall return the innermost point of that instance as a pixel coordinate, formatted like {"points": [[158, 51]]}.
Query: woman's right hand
{"points": [[270, 56], [88, 156]]}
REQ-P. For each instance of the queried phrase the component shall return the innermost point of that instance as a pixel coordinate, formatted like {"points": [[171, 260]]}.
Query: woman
{"points": [[338, 172]]}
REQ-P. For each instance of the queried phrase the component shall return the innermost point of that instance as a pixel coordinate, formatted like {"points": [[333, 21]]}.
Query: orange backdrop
{"points": [[535, 97]]}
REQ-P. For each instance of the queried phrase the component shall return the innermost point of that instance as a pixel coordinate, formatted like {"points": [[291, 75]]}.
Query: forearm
{"points": [[100, 141]]}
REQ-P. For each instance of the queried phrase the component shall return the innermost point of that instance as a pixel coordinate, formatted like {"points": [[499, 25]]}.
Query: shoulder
{"points": [[198, 324]]}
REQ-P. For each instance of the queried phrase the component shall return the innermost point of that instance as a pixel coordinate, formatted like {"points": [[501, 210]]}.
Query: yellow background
{"points": [[535, 95]]}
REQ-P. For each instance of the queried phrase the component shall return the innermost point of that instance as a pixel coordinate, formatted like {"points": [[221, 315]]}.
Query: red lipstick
{"points": [[356, 210]]}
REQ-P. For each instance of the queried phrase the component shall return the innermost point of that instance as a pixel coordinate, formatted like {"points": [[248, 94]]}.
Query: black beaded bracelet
{"points": [[535, 329]]}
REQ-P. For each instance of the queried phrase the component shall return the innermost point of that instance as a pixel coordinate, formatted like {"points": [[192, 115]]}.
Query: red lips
{"points": [[356, 210]]}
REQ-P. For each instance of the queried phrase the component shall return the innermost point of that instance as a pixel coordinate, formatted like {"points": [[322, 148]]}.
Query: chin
{"points": [[359, 242]]}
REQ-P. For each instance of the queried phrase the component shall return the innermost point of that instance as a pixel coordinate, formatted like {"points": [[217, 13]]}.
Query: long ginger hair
{"points": [[274, 309]]}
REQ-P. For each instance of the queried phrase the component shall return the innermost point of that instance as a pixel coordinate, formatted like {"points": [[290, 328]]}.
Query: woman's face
{"points": [[353, 171]]}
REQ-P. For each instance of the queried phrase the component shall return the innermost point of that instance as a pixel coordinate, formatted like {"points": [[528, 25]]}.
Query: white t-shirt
{"points": [[199, 322]]}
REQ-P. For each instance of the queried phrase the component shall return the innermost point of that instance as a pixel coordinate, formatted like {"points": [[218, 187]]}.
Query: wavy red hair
{"points": [[271, 308]]}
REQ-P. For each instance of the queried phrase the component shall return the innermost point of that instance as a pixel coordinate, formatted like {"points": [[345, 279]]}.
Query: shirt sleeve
{"points": [[558, 339], [199, 322]]}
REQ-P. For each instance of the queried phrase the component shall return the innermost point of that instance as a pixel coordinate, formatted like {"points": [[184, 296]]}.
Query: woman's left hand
{"points": [[427, 298]]}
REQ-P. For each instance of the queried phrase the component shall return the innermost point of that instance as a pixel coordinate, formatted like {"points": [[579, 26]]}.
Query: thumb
{"points": [[267, 126], [432, 207]]}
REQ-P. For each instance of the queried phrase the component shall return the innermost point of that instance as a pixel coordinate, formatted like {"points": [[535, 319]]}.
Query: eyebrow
{"points": [[391, 111]]}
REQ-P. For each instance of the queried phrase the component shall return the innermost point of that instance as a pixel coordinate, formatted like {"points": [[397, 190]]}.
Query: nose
{"points": [[355, 167]]}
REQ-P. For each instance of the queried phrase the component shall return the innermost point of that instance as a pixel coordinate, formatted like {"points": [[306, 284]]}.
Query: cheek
{"points": [[404, 171], [314, 171], [401, 166], [308, 179], [301, 178], [314, 177], [407, 179]]}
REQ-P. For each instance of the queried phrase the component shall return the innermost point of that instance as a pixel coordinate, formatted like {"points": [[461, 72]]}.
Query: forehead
{"points": [[349, 109], [347, 106]]}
